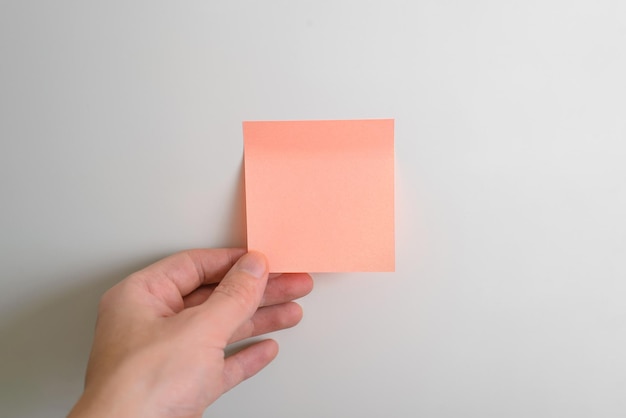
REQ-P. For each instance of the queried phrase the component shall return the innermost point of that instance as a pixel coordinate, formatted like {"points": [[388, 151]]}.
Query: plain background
{"points": [[121, 142]]}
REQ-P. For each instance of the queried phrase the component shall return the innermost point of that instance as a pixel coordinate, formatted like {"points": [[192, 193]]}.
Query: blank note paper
{"points": [[320, 194]]}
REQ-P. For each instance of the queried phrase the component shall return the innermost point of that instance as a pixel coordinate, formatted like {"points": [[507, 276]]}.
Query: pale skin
{"points": [[161, 334]]}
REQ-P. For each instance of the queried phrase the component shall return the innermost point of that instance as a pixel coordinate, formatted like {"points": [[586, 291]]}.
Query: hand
{"points": [[161, 333]]}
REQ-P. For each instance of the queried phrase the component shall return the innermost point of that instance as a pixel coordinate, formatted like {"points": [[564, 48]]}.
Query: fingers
{"points": [[198, 296], [248, 362], [269, 319], [286, 287], [280, 289], [237, 297], [187, 270]]}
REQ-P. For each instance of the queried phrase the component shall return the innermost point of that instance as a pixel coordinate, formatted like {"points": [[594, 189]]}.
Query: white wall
{"points": [[120, 142]]}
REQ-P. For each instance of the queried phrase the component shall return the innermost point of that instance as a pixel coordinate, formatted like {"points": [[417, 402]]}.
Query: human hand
{"points": [[161, 333]]}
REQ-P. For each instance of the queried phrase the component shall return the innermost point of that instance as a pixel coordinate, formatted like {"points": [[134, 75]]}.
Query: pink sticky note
{"points": [[320, 194]]}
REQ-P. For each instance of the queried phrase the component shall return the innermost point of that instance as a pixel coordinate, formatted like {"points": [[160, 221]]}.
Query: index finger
{"points": [[188, 270]]}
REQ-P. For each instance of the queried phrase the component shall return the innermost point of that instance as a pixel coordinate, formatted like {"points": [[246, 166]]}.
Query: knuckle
{"points": [[107, 299], [110, 299]]}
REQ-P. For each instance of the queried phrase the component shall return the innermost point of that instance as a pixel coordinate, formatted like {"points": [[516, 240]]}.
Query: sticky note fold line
{"points": [[320, 194]]}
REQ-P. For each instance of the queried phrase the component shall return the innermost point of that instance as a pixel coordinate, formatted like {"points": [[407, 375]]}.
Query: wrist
{"points": [[95, 404]]}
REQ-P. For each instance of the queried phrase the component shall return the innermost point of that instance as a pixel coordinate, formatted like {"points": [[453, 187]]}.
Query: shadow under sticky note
{"points": [[320, 194]]}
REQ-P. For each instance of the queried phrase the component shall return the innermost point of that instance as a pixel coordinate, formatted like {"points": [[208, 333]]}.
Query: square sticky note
{"points": [[320, 194]]}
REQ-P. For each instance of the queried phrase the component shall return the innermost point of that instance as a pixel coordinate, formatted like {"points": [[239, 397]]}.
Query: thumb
{"points": [[238, 295]]}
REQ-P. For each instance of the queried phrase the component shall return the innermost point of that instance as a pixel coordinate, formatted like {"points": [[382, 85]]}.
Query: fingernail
{"points": [[253, 263]]}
